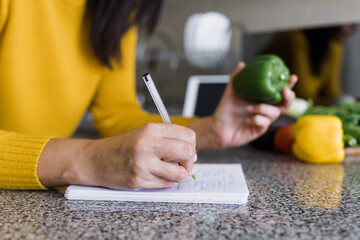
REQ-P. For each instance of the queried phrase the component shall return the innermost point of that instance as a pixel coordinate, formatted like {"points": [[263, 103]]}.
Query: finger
{"points": [[259, 121], [180, 133], [175, 151], [153, 182], [238, 68], [270, 111], [292, 81], [141, 180], [289, 97], [171, 172]]}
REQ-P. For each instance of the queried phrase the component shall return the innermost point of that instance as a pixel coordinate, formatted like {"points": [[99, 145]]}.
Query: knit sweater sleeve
{"points": [[19, 155], [115, 107]]}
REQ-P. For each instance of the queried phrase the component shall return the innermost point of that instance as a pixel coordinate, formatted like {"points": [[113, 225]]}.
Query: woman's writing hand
{"points": [[236, 122], [141, 158]]}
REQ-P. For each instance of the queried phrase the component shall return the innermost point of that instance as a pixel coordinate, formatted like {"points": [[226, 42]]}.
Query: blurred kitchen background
{"points": [[252, 23]]}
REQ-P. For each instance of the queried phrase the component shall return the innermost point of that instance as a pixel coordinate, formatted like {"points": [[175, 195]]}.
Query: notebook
{"points": [[215, 183]]}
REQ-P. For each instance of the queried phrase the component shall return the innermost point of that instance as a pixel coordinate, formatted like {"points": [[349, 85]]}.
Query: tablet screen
{"points": [[203, 93], [209, 95]]}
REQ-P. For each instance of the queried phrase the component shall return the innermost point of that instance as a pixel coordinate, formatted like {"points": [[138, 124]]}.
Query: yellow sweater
{"points": [[49, 77], [294, 49]]}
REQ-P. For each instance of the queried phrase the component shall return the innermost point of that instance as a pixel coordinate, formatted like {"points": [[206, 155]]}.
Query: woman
{"points": [[316, 57], [60, 58]]}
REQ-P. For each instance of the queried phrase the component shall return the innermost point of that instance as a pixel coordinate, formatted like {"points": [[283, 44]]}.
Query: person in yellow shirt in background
{"points": [[315, 56], [59, 58]]}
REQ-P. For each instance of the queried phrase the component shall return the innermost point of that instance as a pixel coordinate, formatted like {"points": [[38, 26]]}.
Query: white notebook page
{"points": [[215, 183]]}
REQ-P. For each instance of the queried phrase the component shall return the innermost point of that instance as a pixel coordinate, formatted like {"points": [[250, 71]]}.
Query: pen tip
{"points": [[193, 176]]}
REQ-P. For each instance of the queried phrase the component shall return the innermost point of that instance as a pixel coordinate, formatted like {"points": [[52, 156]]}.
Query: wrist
{"points": [[207, 136], [62, 162]]}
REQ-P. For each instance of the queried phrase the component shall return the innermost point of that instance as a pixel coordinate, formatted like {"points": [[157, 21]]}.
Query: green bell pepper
{"points": [[262, 79]]}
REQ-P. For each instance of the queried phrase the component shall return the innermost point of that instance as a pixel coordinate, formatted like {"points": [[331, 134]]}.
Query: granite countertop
{"points": [[288, 200]]}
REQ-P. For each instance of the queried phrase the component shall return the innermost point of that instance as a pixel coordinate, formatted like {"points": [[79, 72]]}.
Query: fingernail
{"points": [[195, 159]]}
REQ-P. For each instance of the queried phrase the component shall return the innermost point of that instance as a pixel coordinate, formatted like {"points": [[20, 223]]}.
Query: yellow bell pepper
{"points": [[318, 139]]}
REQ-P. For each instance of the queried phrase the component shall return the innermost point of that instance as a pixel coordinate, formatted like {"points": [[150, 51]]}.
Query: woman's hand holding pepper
{"points": [[236, 122], [141, 158]]}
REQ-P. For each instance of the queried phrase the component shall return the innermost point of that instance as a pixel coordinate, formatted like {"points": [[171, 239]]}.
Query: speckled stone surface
{"points": [[288, 200]]}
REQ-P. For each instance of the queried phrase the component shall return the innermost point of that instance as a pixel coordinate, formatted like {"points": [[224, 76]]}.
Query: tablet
{"points": [[203, 93]]}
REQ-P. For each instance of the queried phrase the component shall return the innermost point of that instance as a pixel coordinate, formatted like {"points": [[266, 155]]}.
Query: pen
{"points": [[157, 100]]}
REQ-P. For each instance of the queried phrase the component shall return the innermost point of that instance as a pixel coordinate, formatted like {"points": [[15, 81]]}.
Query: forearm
{"points": [[60, 161], [141, 158], [206, 136]]}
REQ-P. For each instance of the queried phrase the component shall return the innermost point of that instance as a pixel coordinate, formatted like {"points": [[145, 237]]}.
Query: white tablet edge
{"points": [[192, 89]]}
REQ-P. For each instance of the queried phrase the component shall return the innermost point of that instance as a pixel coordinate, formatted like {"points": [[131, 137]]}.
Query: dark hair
{"points": [[110, 19], [319, 40]]}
